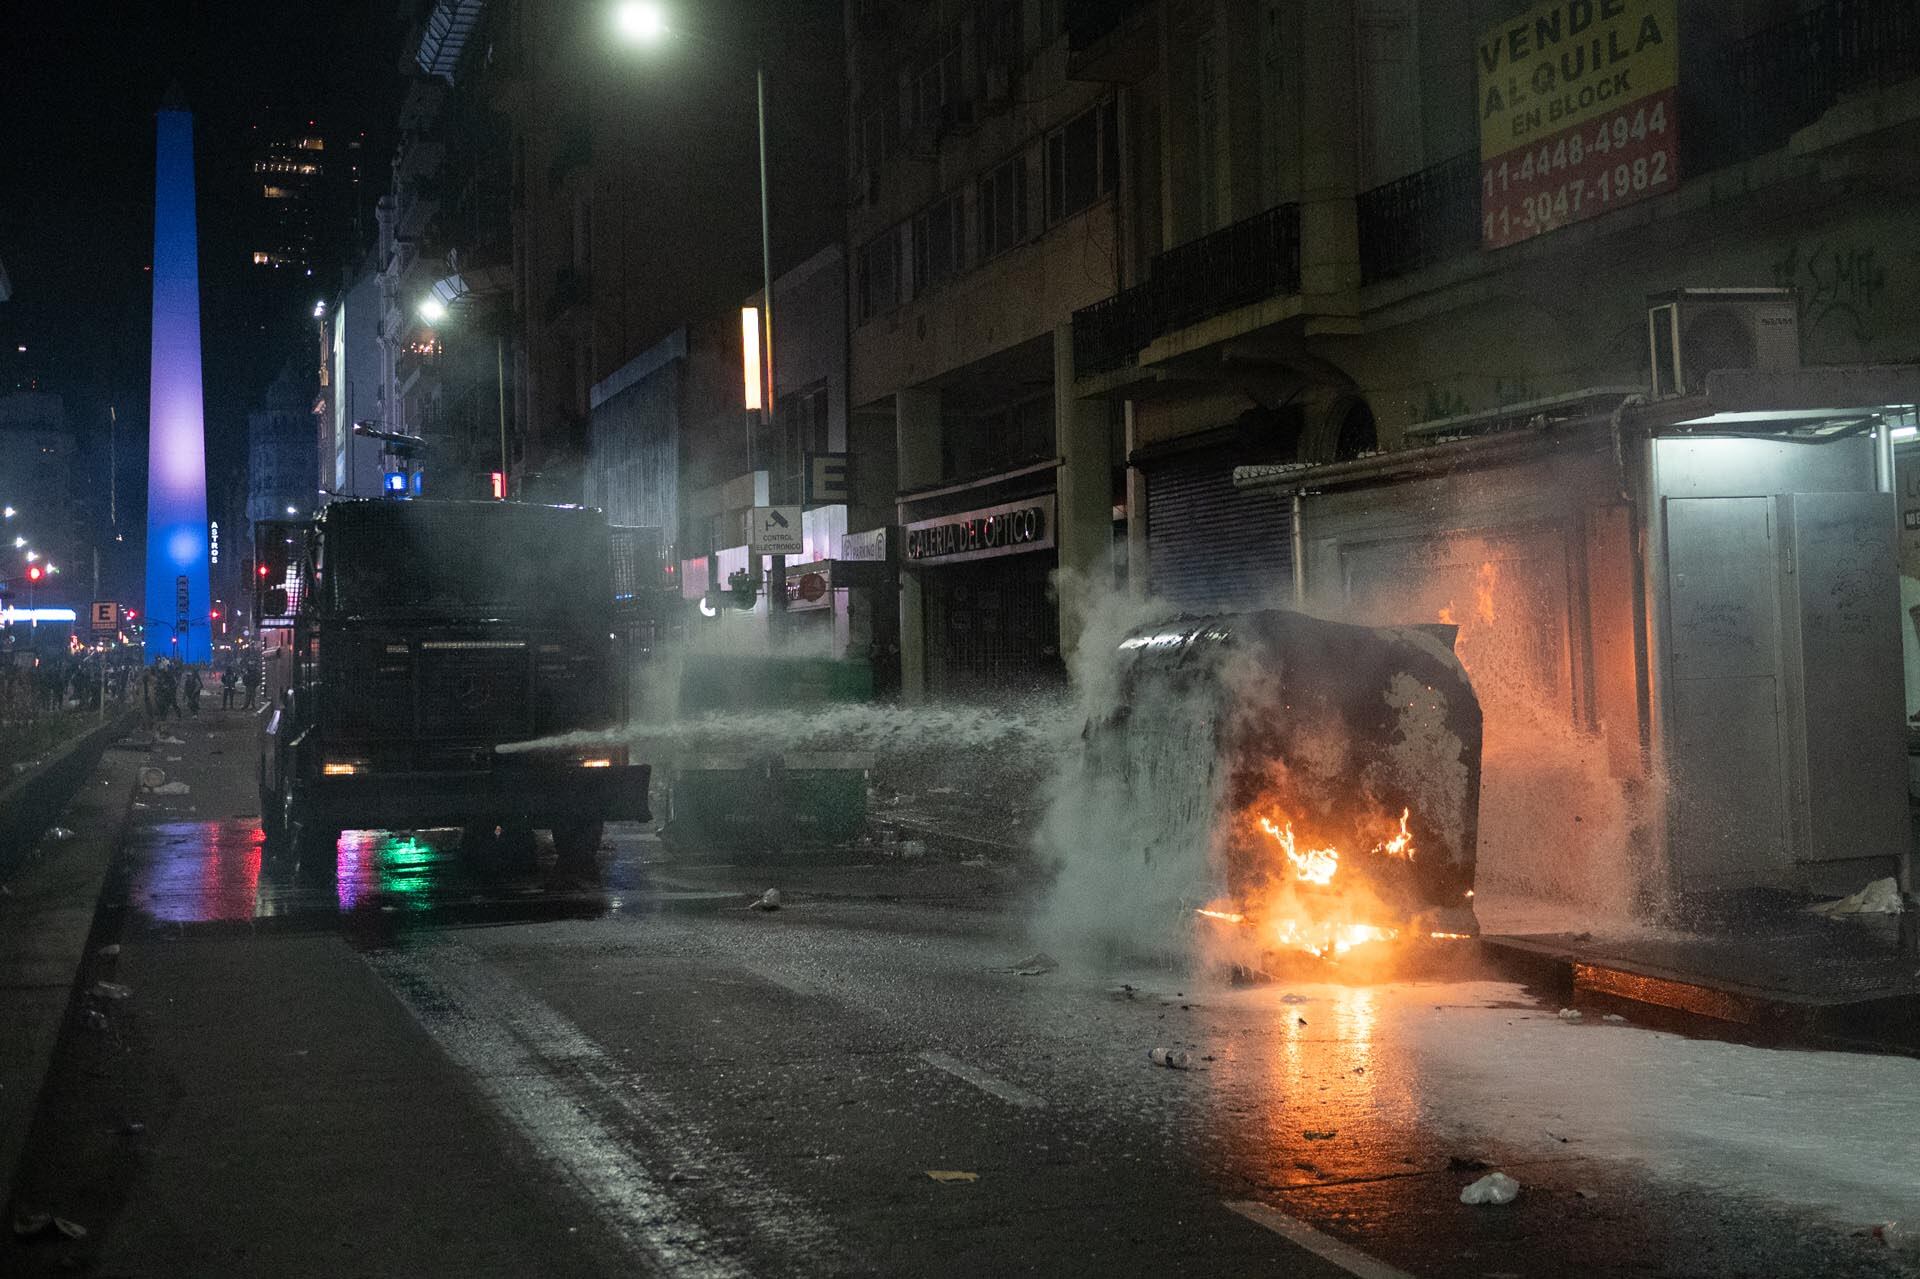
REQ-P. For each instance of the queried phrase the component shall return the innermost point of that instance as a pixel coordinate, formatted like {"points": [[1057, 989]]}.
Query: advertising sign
{"points": [[1577, 114], [106, 615]]}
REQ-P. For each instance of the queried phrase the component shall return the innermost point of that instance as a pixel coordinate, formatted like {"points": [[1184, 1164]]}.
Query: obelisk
{"points": [[177, 589]]}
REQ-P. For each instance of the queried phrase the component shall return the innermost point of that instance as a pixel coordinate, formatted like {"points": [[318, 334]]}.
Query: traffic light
{"points": [[35, 573]]}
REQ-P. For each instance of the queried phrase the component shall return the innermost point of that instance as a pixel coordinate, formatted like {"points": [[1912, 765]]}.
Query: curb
{"points": [[29, 804]]}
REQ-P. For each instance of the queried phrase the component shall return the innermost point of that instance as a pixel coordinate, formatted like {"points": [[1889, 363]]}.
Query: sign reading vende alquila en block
{"points": [[1577, 114]]}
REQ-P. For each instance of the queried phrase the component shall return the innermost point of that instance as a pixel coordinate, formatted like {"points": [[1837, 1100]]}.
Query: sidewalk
{"points": [[46, 915]]}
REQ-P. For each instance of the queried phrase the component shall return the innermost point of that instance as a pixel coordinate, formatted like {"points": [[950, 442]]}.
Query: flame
{"points": [[1452, 936], [1315, 866], [1231, 917], [1401, 845], [1446, 615], [1484, 592]]}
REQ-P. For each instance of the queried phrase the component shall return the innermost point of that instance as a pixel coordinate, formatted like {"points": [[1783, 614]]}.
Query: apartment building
{"points": [[986, 207]]}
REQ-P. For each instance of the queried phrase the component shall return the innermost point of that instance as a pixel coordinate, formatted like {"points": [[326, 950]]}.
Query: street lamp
{"points": [[433, 310], [641, 21], [645, 22]]}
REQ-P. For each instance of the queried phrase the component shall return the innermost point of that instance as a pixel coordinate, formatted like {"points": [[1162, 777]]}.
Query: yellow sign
{"points": [[1564, 63]]}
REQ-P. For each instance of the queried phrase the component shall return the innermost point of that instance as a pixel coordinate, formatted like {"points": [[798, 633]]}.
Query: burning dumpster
{"points": [[1333, 770]]}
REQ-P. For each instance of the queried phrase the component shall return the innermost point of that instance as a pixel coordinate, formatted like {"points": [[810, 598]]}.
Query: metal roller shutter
{"points": [[1211, 546]]}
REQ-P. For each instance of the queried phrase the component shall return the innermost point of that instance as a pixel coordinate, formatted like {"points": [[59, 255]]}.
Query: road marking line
{"points": [[505, 1066], [1325, 1247], [983, 1081]]}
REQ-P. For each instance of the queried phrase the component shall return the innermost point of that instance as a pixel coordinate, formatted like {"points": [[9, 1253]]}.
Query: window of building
{"points": [[879, 130], [997, 48], [939, 243], [1002, 207], [804, 429], [935, 82], [997, 440], [1082, 161], [879, 284]]}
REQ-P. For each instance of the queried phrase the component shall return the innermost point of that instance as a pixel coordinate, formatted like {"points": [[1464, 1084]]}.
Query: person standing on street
{"points": [[250, 679], [162, 689], [192, 689], [229, 686]]}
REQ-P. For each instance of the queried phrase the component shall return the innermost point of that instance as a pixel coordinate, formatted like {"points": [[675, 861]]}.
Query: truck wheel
{"points": [[575, 843], [315, 852]]}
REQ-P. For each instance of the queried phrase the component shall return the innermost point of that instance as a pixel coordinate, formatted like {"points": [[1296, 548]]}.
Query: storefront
{"points": [[1683, 622], [989, 625]]}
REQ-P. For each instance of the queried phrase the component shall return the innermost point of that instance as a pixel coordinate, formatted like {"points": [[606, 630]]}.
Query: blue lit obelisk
{"points": [[177, 590]]}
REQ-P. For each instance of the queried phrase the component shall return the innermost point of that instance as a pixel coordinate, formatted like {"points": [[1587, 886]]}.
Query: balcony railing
{"points": [[1248, 262], [1420, 219], [1749, 97]]}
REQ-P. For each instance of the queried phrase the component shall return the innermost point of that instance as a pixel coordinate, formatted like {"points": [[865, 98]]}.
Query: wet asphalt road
{"points": [[408, 1070]]}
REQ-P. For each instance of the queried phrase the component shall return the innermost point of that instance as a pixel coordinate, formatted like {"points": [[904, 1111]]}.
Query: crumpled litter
{"points": [[1572, 1014], [1171, 1058], [112, 990], [1320, 1134], [172, 741], [1494, 1188], [58, 833], [110, 951], [769, 900], [1881, 897], [1033, 965], [32, 1225], [95, 1019], [173, 788], [947, 1176]]}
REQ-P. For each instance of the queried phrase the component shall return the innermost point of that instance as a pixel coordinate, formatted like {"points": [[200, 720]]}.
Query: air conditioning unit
{"points": [[1692, 332]]}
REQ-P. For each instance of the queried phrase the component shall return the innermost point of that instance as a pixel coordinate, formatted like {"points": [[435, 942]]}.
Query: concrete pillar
{"points": [[916, 434], [1139, 566], [1083, 526], [1329, 150]]}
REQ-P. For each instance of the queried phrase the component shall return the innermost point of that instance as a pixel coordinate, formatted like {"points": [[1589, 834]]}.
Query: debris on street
{"points": [[1881, 897], [172, 788], [769, 900], [1572, 1014], [109, 951], [947, 1176], [1466, 1163], [151, 777], [1494, 1188], [111, 990], [59, 834], [1171, 1058], [1033, 965], [1320, 1134]]}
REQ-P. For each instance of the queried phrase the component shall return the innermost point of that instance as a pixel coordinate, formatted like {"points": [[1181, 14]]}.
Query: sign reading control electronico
{"points": [[998, 530]]}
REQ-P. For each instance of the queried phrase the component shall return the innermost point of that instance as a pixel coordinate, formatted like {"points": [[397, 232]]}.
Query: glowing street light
{"points": [[9, 512], [293, 510], [641, 21], [433, 310], [19, 542]]}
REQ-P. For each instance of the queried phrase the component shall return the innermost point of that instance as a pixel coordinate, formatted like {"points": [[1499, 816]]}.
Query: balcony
{"points": [[1420, 219], [1748, 97], [1248, 262]]}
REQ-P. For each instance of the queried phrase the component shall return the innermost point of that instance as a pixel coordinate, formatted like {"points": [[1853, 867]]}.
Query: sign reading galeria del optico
{"points": [[1577, 114], [973, 535]]}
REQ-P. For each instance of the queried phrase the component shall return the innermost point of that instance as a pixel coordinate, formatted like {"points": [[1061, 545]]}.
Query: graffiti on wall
{"points": [[1841, 287]]}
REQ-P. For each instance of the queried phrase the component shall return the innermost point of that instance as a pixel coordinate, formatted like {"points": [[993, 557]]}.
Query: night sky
{"points": [[78, 88]]}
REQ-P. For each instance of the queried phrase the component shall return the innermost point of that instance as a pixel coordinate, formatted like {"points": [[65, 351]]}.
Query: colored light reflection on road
{"points": [[378, 868], [202, 871]]}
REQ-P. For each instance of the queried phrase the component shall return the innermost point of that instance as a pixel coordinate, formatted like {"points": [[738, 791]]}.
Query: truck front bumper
{"points": [[540, 796]]}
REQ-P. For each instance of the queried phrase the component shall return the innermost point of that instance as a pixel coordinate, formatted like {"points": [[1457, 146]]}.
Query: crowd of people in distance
{"points": [[172, 688]]}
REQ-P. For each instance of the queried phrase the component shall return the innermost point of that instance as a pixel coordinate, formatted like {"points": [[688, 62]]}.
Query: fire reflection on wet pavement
{"points": [[220, 873]]}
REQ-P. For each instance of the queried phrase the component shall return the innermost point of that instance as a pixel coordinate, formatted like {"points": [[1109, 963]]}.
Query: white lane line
{"points": [[547, 1053], [504, 1067], [983, 1081], [1328, 1249]]}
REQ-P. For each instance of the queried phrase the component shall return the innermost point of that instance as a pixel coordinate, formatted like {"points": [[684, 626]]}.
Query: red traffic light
{"points": [[215, 614], [262, 570], [35, 572]]}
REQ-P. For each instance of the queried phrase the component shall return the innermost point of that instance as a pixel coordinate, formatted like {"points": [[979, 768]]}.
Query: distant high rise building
{"points": [[291, 184]]}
